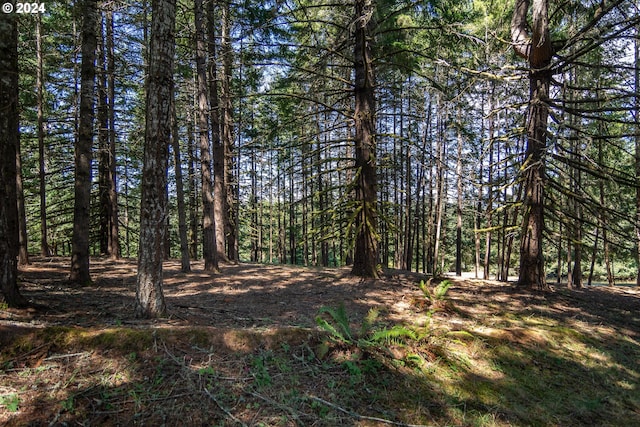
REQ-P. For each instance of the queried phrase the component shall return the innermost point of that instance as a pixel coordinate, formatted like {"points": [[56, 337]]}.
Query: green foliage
{"points": [[11, 402], [208, 370], [395, 335], [68, 404], [259, 370], [338, 326], [437, 293], [436, 296], [371, 336]]}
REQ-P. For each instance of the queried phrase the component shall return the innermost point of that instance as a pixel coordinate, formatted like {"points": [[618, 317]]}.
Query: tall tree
{"points": [[44, 241], [459, 197], [193, 188], [102, 117], [209, 249], [23, 238], [83, 150], [537, 50], [153, 211], [113, 239], [226, 127], [185, 263], [637, 142], [219, 188], [365, 261], [9, 140]]}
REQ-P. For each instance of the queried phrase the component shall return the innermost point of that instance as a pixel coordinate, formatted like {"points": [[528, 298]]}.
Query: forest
{"points": [[436, 136], [371, 161]]}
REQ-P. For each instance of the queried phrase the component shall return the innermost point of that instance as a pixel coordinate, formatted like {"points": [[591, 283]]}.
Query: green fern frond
{"points": [[396, 334], [328, 327], [441, 290], [437, 293], [425, 290], [369, 320], [342, 329]]}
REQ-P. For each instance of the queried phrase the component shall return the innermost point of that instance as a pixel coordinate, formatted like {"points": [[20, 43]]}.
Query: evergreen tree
{"points": [[9, 140], [84, 149], [153, 211]]}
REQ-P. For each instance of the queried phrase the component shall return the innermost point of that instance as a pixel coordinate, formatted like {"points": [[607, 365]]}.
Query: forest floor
{"points": [[245, 347]]}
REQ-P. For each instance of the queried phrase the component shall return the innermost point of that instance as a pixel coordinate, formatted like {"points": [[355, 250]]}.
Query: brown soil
{"points": [[253, 295], [241, 296]]}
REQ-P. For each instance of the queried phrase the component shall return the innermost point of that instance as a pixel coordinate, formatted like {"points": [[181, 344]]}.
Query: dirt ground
{"points": [[253, 295]]}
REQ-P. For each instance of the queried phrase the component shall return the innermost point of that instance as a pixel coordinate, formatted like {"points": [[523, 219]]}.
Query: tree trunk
{"points": [[538, 52], [23, 238], [83, 151], [219, 190], [185, 264], [44, 241], [490, 190], [113, 246], [575, 277], [459, 198], [102, 118], [365, 260], [254, 230], [594, 255], [208, 221], [193, 188], [9, 140], [153, 212], [292, 215], [440, 187], [576, 274], [230, 227], [637, 144]]}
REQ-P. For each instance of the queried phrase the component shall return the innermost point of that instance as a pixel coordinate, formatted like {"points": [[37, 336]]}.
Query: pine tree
{"points": [[9, 140], [365, 262], [153, 211], [84, 149]]}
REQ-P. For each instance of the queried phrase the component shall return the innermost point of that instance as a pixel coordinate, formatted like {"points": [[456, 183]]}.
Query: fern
{"points": [[369, 321], [441, 290], [438, 293], [394, 335], [341, 332]]}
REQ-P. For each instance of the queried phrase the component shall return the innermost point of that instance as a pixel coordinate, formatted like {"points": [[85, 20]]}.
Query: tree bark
{"points": [[44, 241], [185, 264], [440, 166], [226, 119], [459, 197], [102, 118], [490, 187], [253, 203], [23, 238], [153, 212], [538, 52], [637, 145], [9, 140], [575, 276], [209, 249], [219, 189], [113, 246], [365, 260], [84, 149], [193, 188]]}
